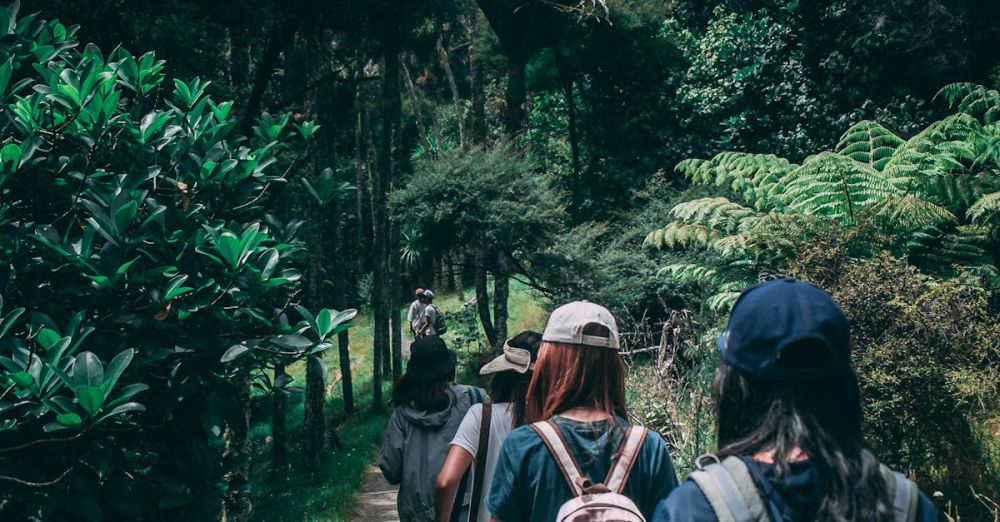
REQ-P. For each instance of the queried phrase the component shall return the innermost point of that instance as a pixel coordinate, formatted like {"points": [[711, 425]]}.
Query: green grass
{"points": [[329, 494]]}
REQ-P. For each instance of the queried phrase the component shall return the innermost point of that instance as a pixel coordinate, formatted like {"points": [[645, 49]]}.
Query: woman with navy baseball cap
{"points": [[790, 445]]}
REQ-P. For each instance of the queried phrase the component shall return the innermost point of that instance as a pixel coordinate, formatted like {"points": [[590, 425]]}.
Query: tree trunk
{"points": [[279, 426], [457, 265], [418, 116], [340, 303], [388, 165], [281, 35], [453, 85], [238, 507], [315, 420], [361, 182], [395, 303], [483, 297], [501, 292], [516, 94], [478, 95], [566, 79]]}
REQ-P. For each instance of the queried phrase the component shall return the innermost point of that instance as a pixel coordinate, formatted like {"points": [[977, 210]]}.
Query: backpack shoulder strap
{"points": [[731, 491], [625, 459], [549, 433], [904, 494], [478, 476]]}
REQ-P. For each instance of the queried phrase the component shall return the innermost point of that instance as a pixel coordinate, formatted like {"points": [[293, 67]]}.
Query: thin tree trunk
{"points": [[418, 117], [281, 35], [516, 94], [456, 99], [478, 95], [395, 303], [360, 182], [457, 264], [315, 420], [501, 293], [388, 165], [483, 297], [279, 426], [340, 303], [238, 507], [566, 79]]}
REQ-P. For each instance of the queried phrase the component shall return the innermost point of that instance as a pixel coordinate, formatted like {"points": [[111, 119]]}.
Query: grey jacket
{"points": [[415, 446]]}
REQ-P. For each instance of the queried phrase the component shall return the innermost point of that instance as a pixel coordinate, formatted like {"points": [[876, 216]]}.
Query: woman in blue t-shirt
{"points": [[579, 384], [789, 423]]}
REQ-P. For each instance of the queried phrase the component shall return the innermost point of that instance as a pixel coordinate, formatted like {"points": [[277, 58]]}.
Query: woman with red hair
{"points": [[576, 399]]}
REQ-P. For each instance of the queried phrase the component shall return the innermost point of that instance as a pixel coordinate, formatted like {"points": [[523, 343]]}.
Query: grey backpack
{"points": [[595, 502], [734, 497]]}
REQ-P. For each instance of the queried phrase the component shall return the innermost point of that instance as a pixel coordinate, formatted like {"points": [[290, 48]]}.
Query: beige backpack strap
{"points": [[624, 461], [730, 490], [903, 493], [549, 433]]}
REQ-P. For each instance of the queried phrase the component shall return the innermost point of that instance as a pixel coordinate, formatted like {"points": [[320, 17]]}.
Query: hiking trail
{"points": [[377, 500]]}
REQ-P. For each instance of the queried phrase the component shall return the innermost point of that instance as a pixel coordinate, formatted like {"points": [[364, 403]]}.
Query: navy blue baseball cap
{"points": [[787, 330]]}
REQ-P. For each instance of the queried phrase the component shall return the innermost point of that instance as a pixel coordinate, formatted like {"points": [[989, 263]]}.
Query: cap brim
{"points": [[501, 364]]}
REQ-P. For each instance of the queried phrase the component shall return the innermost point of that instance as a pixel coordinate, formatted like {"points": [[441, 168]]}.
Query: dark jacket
{"points": [[415, 446]]}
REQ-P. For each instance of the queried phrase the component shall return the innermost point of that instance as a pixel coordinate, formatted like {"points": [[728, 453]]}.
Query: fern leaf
{"points": [[868, 142], [987, 208]]}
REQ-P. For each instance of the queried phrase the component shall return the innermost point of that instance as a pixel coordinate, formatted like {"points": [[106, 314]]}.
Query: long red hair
{"points": [[569, 376]]}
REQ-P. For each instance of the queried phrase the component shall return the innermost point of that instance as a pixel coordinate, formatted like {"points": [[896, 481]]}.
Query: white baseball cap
{"points": [[567, 322]]}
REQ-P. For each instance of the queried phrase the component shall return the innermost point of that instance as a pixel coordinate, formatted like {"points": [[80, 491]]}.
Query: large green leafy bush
{"points": [[144, 283]]}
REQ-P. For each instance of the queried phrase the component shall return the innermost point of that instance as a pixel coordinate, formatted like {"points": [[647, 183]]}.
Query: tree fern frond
{"points": [[973, 99], [868, 142], [717, 213], [835, 186], [679, 234], [690, 273], [750, 175], [904, 214], [986, 208]]}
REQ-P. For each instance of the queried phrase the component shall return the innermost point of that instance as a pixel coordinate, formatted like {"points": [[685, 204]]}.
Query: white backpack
{"points": [[591, 502]]}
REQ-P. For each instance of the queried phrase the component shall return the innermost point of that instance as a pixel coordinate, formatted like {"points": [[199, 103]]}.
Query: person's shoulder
{"points": [[654, 441], [474, 394], [523, 436], [686, 502]]}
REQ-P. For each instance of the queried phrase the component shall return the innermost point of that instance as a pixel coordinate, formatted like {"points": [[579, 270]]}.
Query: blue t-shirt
{"points": [[797, 498], [528, 484]]}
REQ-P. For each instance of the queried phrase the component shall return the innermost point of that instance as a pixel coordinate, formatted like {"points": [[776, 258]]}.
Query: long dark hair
{"points": [[432, 395], [510, 386], [820, 418], [571, 375]]}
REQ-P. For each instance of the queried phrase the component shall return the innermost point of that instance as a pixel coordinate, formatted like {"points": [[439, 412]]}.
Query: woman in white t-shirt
{"points": [[511, 372]]}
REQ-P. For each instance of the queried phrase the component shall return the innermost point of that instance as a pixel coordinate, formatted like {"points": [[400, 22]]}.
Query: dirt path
{"points": [[377, 500]]}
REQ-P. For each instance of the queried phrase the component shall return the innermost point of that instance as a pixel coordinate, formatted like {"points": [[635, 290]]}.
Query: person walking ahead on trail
{"points": [[485, 427], [428, 411], [431, 316], [576, 401], [789, 423], [415, 315]]}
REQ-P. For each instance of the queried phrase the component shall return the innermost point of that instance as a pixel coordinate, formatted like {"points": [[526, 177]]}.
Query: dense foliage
{"points": [[932, 198], [145, 284]]}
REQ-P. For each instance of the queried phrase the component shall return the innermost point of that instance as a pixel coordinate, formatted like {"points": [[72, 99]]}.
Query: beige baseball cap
{"points": [[567, 322]]}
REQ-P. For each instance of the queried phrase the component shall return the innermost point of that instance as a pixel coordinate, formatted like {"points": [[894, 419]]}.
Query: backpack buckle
{"points": [[700, 461]]}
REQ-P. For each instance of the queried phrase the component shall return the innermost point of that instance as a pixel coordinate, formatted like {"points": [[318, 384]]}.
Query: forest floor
{"points": [[347, 481]]}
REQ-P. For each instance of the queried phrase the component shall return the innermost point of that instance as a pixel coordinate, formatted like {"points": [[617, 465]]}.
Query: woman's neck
{"points": [[585, 414], [796, 454]]}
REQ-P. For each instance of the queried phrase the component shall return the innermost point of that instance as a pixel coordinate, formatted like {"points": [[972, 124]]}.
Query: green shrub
{"points": [[927, 353], [145, 285]]}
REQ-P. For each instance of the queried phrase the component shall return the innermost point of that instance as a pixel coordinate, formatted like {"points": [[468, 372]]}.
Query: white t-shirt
{"points": [[430, 317], [415, 314], [467, 437]]}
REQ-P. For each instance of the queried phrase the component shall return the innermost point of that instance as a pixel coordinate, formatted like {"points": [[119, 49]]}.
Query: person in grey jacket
{"points": [[429, 410]]}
